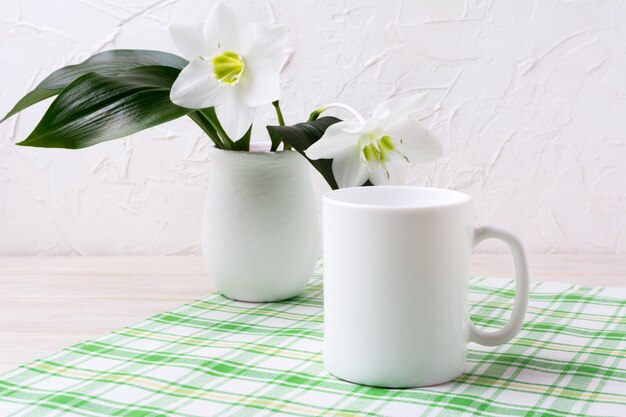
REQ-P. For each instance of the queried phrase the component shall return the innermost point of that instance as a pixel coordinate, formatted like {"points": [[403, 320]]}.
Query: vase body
{"points": [[260, 232]]}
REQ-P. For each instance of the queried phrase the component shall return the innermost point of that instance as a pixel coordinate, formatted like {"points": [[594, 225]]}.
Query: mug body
{"points": [[395, 284]]}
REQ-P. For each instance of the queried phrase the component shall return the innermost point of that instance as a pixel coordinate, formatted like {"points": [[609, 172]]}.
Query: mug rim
{"points": [[457, 198]]}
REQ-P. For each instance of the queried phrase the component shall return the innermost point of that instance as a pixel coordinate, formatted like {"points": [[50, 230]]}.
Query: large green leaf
{"points": [[302, 135], [95, 108], [108, 63]]}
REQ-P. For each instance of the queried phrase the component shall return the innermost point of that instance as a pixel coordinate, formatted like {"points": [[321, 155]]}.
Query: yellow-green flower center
{"points": [[228, 67], [377, 149]]}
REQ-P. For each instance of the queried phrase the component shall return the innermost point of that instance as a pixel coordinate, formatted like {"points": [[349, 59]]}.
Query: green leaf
{"points": [[302, 135], [243, 144], [275, 137], [108, 63], [95, 108]]}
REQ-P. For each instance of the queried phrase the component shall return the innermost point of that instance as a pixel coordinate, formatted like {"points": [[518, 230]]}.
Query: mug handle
{"points": [[520, 304]]}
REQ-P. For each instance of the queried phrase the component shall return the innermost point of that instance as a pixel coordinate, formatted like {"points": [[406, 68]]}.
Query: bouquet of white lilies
{"points": [[229, 69]]}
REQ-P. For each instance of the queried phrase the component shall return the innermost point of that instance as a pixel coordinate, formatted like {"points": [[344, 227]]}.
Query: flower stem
{"points": [[279, 113], [314, 115], [215, 123], [329, 106], [207, 128], [281, 121]]}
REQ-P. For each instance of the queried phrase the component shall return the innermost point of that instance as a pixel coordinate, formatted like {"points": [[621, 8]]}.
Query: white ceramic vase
{"points": [[260, 233]]}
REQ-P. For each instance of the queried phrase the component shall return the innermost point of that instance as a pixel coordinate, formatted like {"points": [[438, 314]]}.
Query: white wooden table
{"points": [[47, 303]]}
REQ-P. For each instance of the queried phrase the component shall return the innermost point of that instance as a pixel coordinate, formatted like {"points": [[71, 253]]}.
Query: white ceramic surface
{"points": [[260, 233], [395, 285]]}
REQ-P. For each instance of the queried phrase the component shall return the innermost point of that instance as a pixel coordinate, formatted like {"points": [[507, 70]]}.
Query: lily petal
{"points": [[223, 30], [194, 88], [334, 142], [260, 83], [190, 42], [394, 172], [415, 141], [234, 115], [270, 42], [348, 169], [350, 127], [397, 109]]}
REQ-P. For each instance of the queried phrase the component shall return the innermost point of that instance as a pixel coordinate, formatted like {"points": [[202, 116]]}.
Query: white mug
{"points": [[396, 282]]}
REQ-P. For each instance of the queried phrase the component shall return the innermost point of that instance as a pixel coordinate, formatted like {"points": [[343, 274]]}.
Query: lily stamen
{"points": [[228, 67]]}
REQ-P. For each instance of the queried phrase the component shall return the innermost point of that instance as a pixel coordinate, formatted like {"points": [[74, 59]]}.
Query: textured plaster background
{"points": [[528, 97]]}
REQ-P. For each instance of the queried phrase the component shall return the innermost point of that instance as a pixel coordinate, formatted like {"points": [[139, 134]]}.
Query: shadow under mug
{"points": [[396, 266]]}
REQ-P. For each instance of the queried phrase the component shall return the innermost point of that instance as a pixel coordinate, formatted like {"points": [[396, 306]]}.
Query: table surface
{"points": [[48, 303]]}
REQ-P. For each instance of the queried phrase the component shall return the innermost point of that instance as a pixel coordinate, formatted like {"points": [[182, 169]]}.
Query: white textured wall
{"points": [[529, 98]]}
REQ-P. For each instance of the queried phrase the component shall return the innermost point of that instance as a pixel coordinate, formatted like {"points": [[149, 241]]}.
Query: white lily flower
{"points": [[232, 67], [381, 148]]}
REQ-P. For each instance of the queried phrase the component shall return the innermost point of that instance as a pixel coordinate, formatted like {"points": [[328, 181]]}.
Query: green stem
{"points": [[212, 117], [281, 121], [314, 115], [207, 128], [321, 110], [279, 113]]}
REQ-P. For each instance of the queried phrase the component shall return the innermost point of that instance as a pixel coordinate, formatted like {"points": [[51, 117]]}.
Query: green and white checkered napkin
{"points": [[217, 357]]}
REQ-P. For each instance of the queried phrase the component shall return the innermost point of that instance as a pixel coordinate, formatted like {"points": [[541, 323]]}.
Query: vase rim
{"points": [[257, 151]]}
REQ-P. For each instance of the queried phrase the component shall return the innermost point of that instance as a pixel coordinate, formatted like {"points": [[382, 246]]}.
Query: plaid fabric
{"points": [[217, 357]]}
